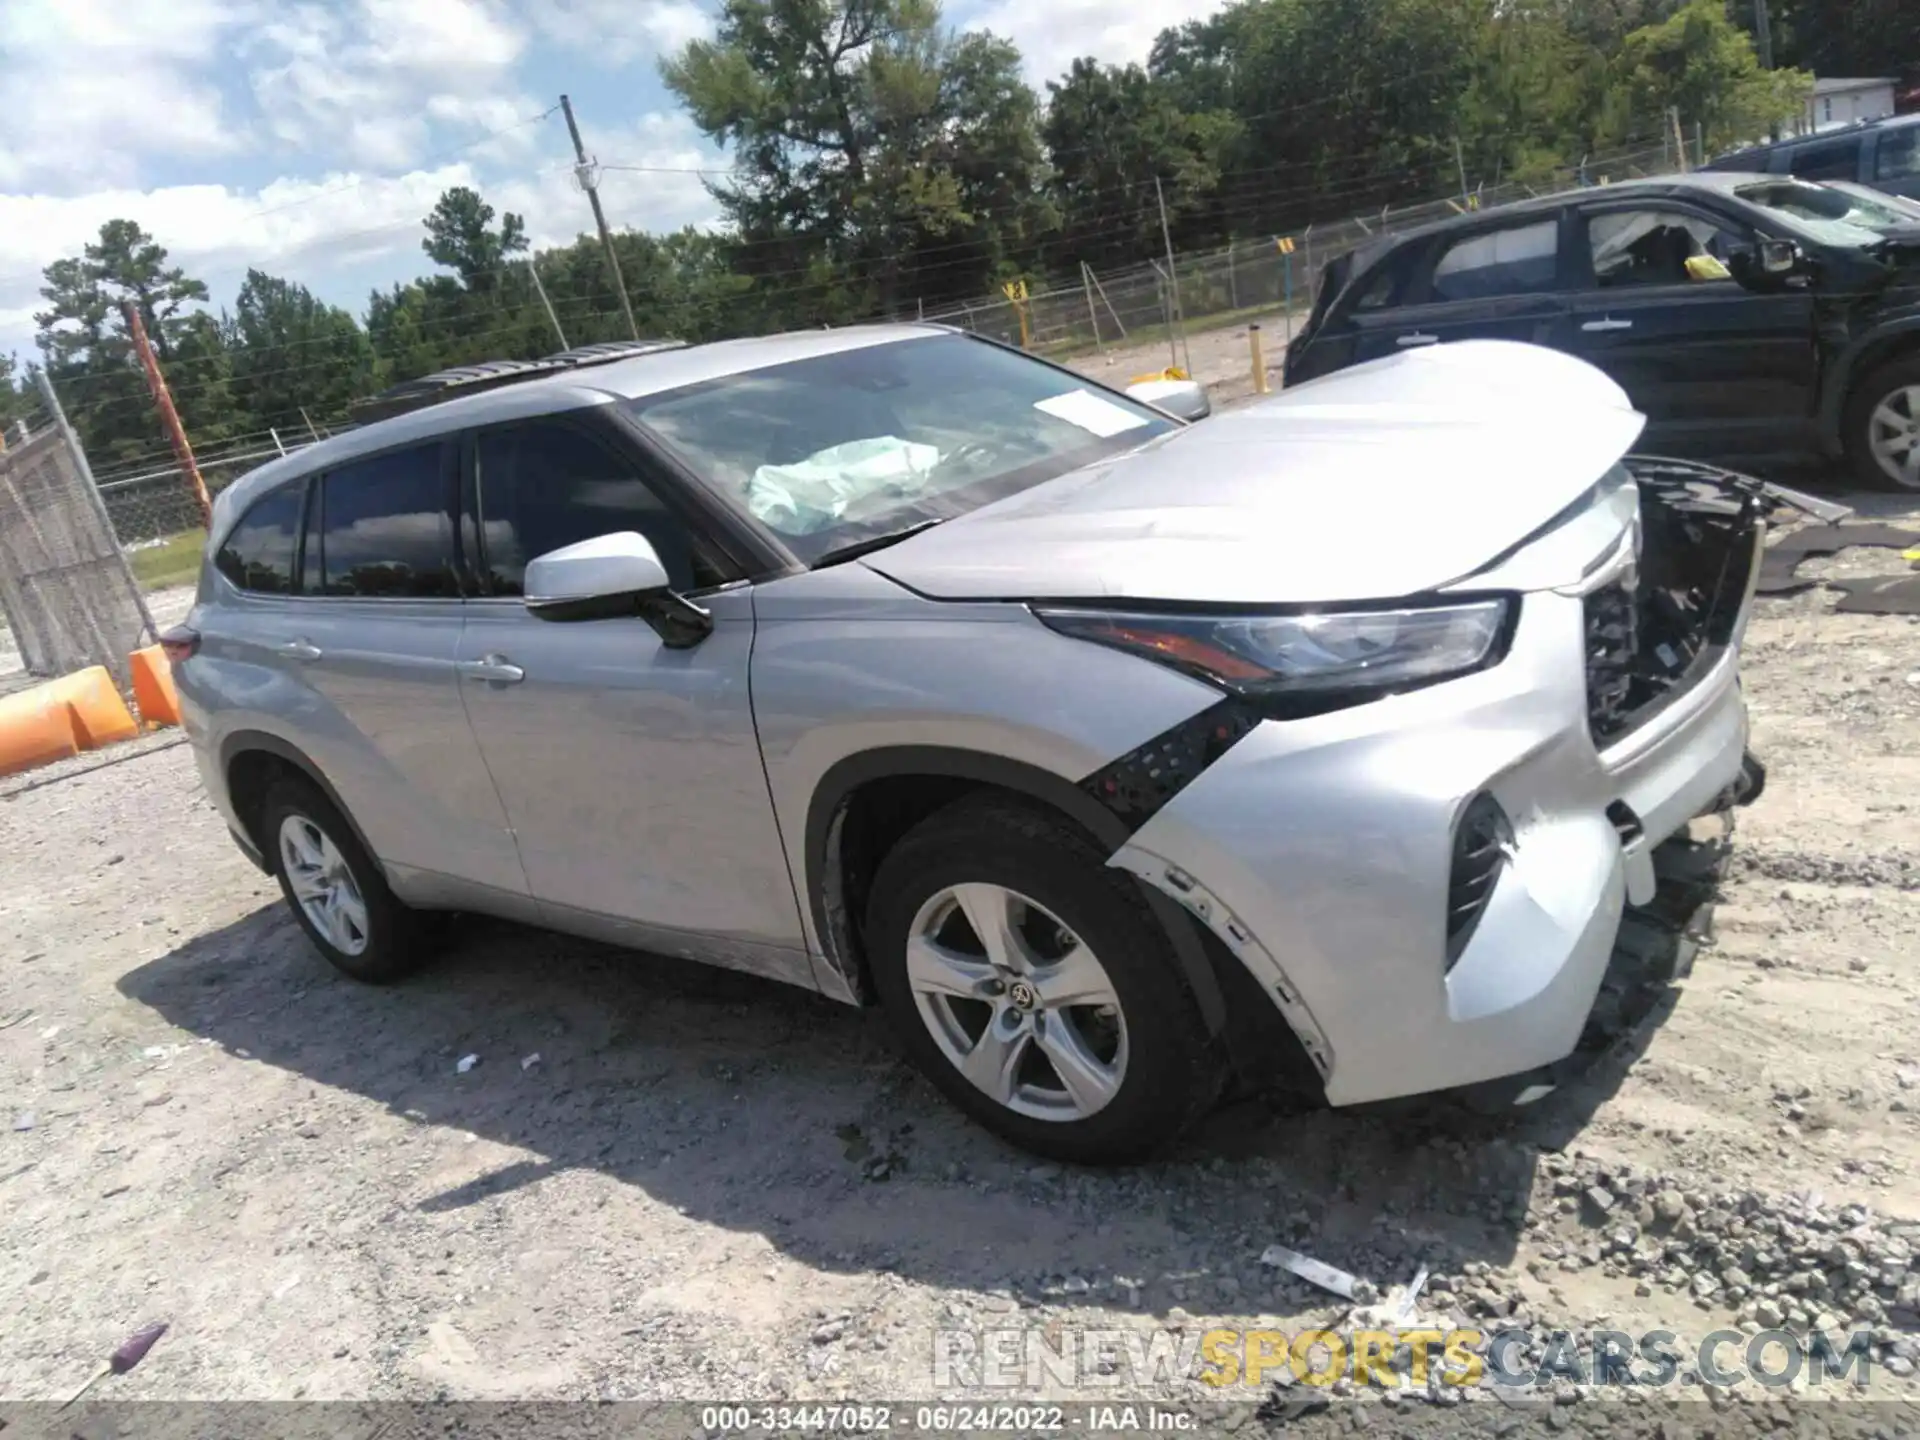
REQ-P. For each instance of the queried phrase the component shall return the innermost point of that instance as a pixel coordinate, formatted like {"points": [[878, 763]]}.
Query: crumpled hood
{"points": [[1385, 480]]}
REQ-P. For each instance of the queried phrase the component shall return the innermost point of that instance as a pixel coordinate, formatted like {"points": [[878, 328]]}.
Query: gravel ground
{"points": [[662, 1182]]}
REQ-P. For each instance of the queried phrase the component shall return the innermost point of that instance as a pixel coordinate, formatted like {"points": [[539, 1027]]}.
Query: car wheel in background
{"points": [[335, 890], [1033, 986], [1883, 427]]}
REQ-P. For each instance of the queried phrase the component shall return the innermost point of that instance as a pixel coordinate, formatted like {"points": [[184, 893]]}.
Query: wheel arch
{"points": [[250, 762], [866, 802], [1895, 341]]}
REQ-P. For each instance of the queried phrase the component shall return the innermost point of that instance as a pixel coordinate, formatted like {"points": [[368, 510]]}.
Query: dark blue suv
{"points": [[1753, 319], [1882, 153]]}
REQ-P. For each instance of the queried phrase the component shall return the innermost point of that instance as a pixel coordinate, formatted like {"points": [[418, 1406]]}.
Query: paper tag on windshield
{"points": [[1090, 413]]}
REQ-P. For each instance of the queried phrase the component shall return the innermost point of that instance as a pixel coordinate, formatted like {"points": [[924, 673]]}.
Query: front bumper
{"points": [[1320, 852]]}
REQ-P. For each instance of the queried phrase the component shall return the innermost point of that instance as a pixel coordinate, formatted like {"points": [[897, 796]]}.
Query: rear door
{"points": [[1499, 281], [1717, 369], [375, 638]]}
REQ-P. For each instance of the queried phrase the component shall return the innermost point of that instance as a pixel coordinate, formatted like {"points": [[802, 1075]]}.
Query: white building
{"points": [[1846, 102]]}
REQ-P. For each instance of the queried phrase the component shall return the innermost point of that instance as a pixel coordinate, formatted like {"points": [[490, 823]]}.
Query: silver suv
{"points": [[1118, 758]]}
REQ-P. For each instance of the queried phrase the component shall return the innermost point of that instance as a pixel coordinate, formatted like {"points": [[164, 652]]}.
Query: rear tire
{"points": [[334, 888], [1882, 427], [1089, 1045]]}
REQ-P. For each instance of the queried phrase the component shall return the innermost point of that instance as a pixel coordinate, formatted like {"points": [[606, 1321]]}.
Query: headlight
{"points": [[1302, 664]]}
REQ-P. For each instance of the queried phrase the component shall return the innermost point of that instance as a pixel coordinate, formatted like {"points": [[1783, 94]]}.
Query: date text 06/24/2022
{"points": [[1036, 1419]]}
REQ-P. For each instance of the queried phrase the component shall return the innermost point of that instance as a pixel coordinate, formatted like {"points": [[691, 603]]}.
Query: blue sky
{"points": [[308, 137]]}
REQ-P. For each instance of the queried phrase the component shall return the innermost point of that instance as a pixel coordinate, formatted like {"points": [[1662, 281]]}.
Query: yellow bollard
{"points": [[1260, 386]]}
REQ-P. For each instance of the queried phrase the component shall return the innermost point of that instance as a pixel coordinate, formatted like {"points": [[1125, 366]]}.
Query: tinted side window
{"points": [[545, 485], [258, 554], [1520, 261], [1657, 247], [386, 527], [1379, 290], [1839, 160], [1899, 154]]}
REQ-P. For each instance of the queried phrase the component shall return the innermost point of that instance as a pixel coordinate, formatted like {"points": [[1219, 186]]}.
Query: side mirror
{"points": [[1779, 258], [1767, 264], [608, 577], [1186, 399]]}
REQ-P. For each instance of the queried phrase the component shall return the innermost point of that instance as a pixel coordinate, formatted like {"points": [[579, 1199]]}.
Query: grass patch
{"points": [[175, 561]]}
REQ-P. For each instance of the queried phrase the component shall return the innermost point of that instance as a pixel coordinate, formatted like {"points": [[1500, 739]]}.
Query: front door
{"points": [[631, 772], [1502, 283], [1717, 369]]}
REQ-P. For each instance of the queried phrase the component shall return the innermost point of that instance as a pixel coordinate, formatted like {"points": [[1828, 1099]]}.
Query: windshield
{"points": [[1828, 213], [848, 448]]}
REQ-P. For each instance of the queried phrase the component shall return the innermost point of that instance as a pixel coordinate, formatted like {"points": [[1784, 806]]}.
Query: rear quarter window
{"points": [[258, 553], [1519, 260]]}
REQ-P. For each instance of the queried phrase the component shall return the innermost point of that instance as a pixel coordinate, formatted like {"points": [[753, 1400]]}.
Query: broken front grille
{"points": [[1610, 653], [1650, 638]]}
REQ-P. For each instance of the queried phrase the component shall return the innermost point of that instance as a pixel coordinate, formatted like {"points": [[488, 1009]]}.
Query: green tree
{"points": [[84, 336], [461, 236], [14, 402], [292, 352], [874, 148], [1111, 132], [1700, 63]]}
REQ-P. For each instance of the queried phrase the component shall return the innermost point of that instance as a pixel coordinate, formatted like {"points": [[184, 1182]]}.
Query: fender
{"points": [[828, 806], [1903, 325], [243, 742]]}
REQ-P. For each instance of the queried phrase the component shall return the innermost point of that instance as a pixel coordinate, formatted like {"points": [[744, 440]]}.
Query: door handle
{"points": [[1596, 327], [494, 669], [1416, 338], [298, 650]]}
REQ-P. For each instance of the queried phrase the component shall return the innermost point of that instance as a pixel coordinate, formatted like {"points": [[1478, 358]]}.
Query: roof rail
{"points": [[462, 380]]}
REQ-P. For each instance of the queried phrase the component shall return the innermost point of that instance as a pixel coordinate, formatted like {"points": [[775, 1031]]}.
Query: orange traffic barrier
{"points": [[100, 716], [153, 692], [36, 728]]}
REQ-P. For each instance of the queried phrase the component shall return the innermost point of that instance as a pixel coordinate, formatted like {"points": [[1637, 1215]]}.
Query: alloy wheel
{"points": [[323, 884], [1017, 1002], [1893, 436]]}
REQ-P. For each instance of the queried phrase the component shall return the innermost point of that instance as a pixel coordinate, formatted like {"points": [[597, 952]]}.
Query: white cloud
{"points": [[316, 229], [1052, 36], [91, 87], [366, 81], [619, 32]]}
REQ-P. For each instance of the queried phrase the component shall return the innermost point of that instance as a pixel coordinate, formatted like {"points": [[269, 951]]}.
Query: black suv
{"points": [[1751, 318], [1882, 153]]}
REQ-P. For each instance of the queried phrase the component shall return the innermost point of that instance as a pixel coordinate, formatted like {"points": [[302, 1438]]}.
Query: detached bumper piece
{"points": [[1655, 949], [1653, 634]]}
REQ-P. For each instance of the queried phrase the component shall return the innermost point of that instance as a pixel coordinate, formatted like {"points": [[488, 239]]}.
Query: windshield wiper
{"points": [[873, 543]]}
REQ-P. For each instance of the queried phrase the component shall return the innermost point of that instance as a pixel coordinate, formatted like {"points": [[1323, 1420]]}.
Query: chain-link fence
{"points": [[67, 595], [1254, 278]]}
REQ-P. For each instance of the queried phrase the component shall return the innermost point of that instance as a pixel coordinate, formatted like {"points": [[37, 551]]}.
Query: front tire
{"points": [[1033, 986], [335, 890], [1883, 428]]}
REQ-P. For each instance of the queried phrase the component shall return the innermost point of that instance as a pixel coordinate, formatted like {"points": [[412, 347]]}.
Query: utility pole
{"points": [[169, 417], [1763, 34], [1460, 161], [1173, 280], [541, 290], [583, 172]]}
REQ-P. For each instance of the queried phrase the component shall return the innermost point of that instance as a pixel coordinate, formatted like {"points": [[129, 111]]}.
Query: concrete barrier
{"points": [[36, 728], [153, 693], [100, 716]]}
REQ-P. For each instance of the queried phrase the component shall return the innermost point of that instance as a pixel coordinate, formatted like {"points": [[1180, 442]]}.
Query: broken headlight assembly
{"points": [[1293, 665]]}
